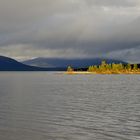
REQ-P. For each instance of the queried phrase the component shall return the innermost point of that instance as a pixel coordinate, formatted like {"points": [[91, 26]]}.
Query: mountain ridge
{"points": [[9, 64], [65, 62]]}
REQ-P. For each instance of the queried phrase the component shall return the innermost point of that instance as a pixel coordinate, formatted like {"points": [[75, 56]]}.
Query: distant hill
{"points": [[8, 64], [75, 63]]}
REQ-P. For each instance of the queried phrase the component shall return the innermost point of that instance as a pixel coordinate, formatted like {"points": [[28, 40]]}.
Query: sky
{"points": [[70, 29]]}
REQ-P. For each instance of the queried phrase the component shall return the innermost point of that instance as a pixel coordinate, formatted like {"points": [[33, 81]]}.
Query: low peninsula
{"points": [[105, 68]]}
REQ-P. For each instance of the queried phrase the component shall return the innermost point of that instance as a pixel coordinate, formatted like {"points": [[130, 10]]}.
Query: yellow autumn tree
{"points": [[70, 69]]}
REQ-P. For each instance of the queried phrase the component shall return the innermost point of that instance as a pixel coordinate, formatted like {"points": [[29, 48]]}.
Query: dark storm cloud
{"points": [[69, 28]]}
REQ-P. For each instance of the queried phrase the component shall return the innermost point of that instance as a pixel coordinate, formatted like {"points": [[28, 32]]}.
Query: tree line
{"points": [[111, 68]]}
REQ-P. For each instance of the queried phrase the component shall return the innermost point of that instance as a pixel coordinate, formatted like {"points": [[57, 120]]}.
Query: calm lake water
{"points": [[50, 106]]}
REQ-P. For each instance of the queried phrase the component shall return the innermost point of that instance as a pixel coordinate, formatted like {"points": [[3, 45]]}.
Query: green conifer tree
{"points": [[129, 67], [135, 67]]}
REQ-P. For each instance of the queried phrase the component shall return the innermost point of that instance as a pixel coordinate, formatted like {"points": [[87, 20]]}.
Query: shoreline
{"points": [[104, 73]]}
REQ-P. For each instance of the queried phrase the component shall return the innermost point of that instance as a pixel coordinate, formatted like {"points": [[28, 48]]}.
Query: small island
{"points": [[105, 68]]}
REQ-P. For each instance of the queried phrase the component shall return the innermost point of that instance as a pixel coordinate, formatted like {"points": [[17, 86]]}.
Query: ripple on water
{"points": [[40, 106]]}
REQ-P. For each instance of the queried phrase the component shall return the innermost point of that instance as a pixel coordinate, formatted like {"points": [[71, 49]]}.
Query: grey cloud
{"points": [[72, 27], [116, 3]]}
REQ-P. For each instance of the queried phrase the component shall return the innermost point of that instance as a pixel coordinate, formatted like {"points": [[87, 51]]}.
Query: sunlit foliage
{"points": [[114, 68], [70, 69]]}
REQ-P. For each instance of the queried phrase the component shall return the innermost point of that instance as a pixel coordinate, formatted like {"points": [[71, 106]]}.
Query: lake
{"points": [[52, 106]]}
